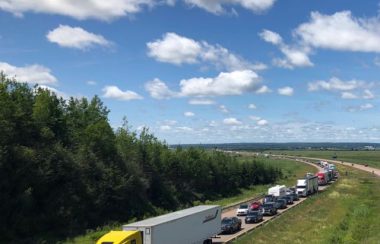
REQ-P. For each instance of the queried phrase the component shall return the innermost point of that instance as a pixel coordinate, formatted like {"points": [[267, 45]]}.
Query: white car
{"points": [[242, 210]]}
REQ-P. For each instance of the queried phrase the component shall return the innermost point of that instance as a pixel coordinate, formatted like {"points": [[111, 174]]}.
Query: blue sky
{"points": [[201, 71]]}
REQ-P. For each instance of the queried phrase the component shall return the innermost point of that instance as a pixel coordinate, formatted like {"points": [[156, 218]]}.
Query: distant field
{"points": [[348, 212], [291, 170], [371, 158]]}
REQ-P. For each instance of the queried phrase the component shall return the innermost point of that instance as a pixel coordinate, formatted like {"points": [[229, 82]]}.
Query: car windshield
{"points": [[267, 205], [226, 221], [244, 206], [301, 186]]}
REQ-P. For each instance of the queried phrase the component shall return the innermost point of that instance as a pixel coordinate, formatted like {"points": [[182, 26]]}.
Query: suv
{"points": [[281, 203], [269, 208], [231, 224], [288, 198], [254, 217]]}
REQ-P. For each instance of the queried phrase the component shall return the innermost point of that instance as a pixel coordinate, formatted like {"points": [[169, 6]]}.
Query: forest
{"points": [[64, 169]]}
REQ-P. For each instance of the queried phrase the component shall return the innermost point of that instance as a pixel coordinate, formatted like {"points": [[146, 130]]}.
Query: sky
{"points": [[207, 71]]}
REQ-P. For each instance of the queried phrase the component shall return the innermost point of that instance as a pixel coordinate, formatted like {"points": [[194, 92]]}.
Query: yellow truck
{"points": [[196, 225]]}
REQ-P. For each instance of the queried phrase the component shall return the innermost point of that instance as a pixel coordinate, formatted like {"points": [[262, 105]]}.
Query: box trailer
{"points": [[307, 185], [194, 225], [277, 191]]}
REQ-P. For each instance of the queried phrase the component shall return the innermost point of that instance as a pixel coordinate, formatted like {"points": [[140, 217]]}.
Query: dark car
{"points": [[254, 217], [281, 203], [295, 196], [269, 198], [231, 224], [288, 198], [269, 208]]}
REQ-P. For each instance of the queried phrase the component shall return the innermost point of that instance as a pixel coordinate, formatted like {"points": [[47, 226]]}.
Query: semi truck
{"points": [[323, 178], [307, 185], [196, 225], [277, 191]]}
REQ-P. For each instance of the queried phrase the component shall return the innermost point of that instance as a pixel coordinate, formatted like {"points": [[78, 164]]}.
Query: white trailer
{"points": [[277, 191], [189, 226], [307, 185]]}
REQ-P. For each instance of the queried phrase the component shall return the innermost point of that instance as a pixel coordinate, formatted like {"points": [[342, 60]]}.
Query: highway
{"points": [[226, 238]]}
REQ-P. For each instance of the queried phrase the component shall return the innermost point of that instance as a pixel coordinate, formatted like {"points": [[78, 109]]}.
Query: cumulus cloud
{"points": [[159, 90], [341, 31], [362, 107], [262, 122], [225, 84], [75, 37], [232, 121], [35, 74], [116, 93], [232, 83], [91, 82], [201, 101], [296, 56], [286, 91], [178, 50], [89, 9], [351, 89], [255, 118], [223, 109], [252, 106], [335, 84], [165, 127], [189, 114], [263, 90], [217, 6]]}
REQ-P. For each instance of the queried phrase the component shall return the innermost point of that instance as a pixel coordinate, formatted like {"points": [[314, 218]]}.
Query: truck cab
{"points": [[121, 237], [302, 187]]}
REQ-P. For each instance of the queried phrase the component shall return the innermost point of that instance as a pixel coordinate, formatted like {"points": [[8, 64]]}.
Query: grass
{"points": [[291, 170], [372, 158], [348, 212]]}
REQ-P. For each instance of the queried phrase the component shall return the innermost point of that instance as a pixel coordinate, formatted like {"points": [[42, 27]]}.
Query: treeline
{"points": [[63, 169]]}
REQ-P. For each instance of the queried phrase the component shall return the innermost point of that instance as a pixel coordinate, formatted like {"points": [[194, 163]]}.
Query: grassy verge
{"points": [[348, 212], [371, 158], [291, 171]]}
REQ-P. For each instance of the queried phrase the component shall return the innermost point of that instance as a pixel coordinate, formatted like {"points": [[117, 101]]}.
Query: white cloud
{"points": [[294, 56], [255, 118], [174, 49], [170, 122], [30, 73], [165, 127], [341, 31], [184, 128], [178, 50], [89, 9], [271, 37], [115, 92], [233, 83], [263, 90], [335, 84], [189, 114], [91, 82], [348, 95], [262, 122], [362, 107], [232, 121], [217, 6], [159, 90], [252, 106], [223, 109], [286, 91], [201, 101], [368, 94], [75, 37], [213, 123]]}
